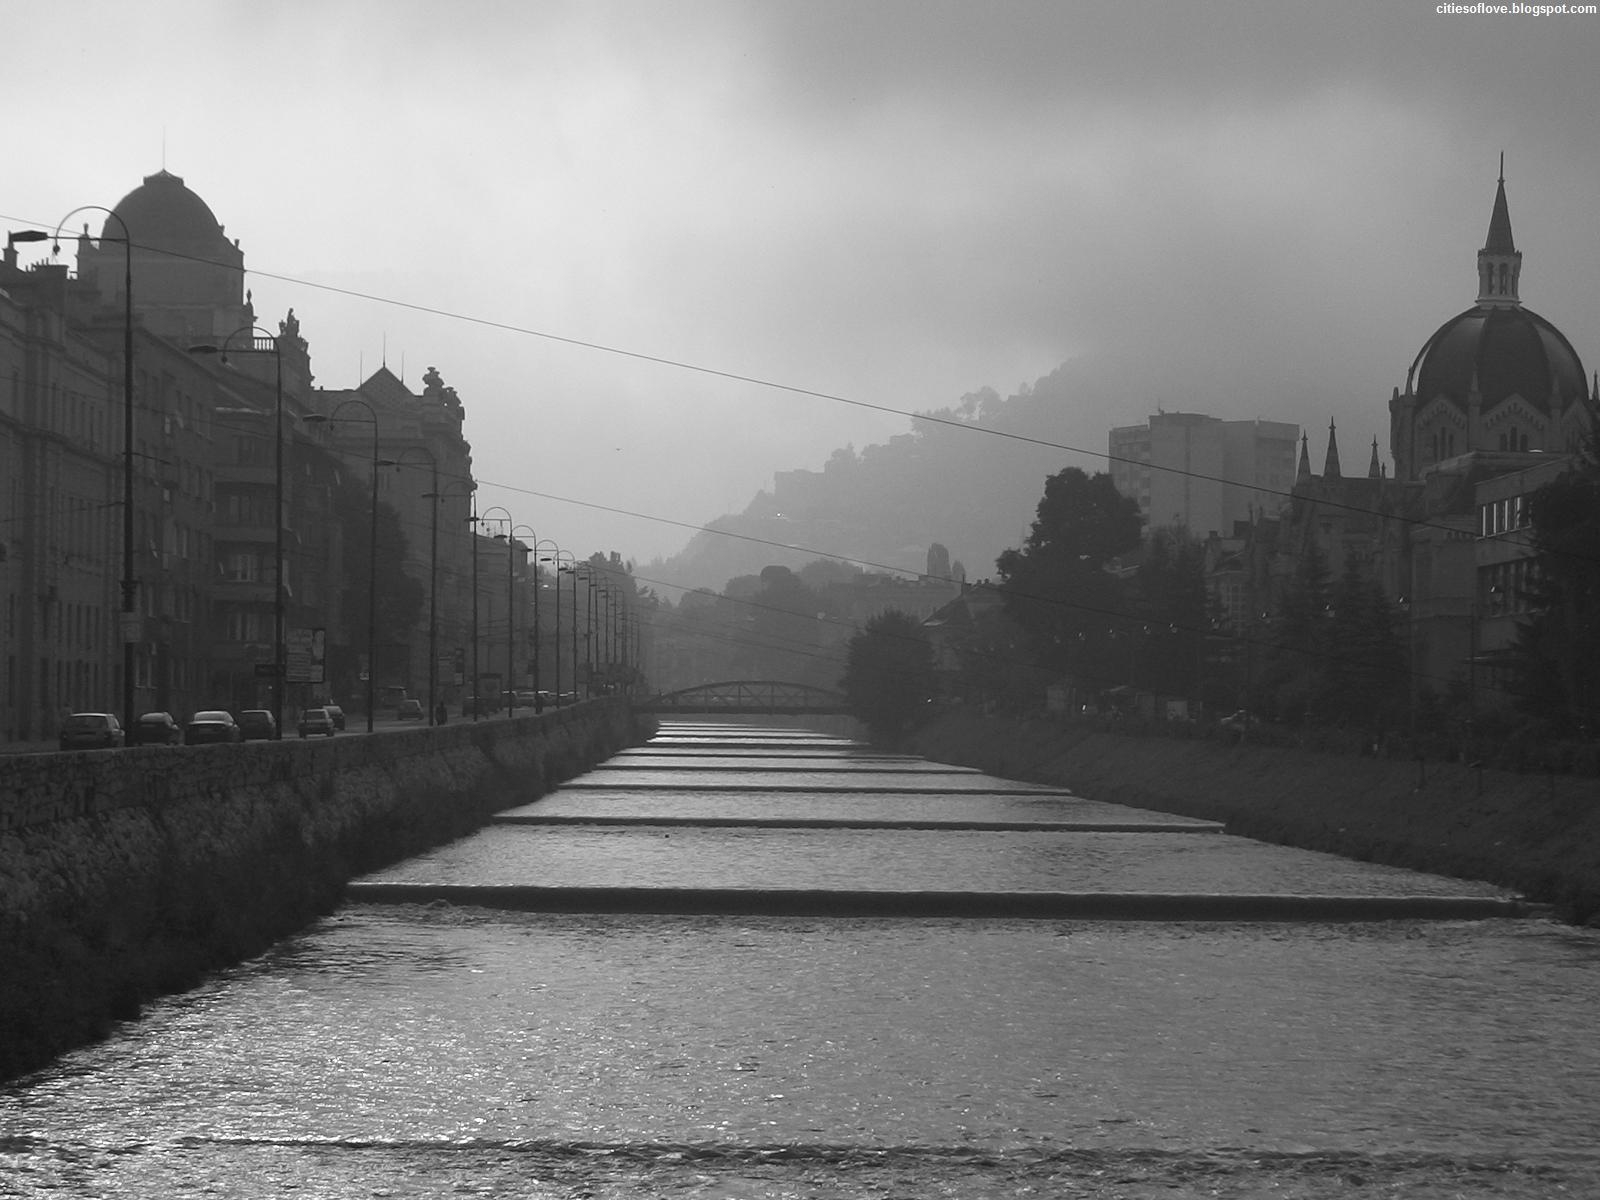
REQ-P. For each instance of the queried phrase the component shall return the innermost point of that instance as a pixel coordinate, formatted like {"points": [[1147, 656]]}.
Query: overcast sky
{"points": [[1249, 208]]}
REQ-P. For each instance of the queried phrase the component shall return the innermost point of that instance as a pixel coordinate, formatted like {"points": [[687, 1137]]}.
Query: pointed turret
{"points": [[1303, 472], [1330, 465], [1499, 262], [1374, 469]]}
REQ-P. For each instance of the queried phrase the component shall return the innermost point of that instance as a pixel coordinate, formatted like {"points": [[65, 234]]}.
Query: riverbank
{"points": [[128, 874], [1538, 834]]}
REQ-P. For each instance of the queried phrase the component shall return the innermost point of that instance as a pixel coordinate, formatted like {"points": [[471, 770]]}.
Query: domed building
{"points": [[1495, 377], [1496, 405], [188, 277]]}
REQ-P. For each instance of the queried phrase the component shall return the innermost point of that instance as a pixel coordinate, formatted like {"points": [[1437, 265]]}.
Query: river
{"points": [[410, 1046]]}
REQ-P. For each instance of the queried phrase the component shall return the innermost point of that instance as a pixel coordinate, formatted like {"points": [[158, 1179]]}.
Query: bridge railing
{"points": [[748, 696]]}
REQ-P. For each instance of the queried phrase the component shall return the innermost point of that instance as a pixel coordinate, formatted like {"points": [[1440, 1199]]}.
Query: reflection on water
{"points": [[425, 1051], [438, 1025]]}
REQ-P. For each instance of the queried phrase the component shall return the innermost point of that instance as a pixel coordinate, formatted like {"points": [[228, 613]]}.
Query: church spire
{"points": [[1303, 472], [1330, 466], [1499, 262], [1374, 470]]}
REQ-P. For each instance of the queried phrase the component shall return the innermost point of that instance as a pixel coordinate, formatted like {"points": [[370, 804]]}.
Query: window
{"points": [[245, 627], [242, 566]]}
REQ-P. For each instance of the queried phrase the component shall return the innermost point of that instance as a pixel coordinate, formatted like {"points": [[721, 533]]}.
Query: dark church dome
{"points": [[1504, 351], [164, 214]]}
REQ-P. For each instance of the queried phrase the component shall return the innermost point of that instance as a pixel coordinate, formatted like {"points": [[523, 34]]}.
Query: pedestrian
{"points": [[440, 713]]}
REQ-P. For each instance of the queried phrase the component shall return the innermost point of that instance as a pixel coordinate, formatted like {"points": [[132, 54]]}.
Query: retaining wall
{"points": [[131, 873], [1536, 833]]}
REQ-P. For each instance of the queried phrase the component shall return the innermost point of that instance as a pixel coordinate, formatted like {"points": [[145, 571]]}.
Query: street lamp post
{"points": [[587, 570], [511, 674], [556, 558], [432, 495], [279, 656], [130, 585], [532, 544], [605, 629], [372, 551], [477, 699]]}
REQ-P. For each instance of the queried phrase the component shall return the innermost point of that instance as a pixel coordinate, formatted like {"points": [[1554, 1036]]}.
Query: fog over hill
{"points": [[969, 479]]}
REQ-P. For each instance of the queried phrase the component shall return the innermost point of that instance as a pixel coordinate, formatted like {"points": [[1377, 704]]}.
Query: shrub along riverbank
{"points": [[1536, 833]]}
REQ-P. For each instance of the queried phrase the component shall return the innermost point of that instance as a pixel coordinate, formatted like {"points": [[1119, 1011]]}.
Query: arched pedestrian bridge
{"points": [[748, 696]]}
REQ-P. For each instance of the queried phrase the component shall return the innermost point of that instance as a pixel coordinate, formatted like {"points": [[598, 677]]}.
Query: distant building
{"points": [[1202, 473]]}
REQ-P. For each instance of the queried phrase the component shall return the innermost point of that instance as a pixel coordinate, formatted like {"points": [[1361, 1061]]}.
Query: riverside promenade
{"points": [[747, 962]]}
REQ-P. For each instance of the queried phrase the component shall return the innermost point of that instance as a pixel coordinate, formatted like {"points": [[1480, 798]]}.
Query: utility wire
{"points": [[793, 389]]}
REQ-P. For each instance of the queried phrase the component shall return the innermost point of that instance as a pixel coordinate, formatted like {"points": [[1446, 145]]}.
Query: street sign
{"points": [[306, 652]]}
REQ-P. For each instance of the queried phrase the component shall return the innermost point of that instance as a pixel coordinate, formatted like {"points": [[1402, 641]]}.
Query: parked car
{"points": [[258, 723], [156, 729], [479, 704], [91, 731], [211, 726], [527, 699], [410, 709], [337, 714], [316, 720], [1239, 721]]}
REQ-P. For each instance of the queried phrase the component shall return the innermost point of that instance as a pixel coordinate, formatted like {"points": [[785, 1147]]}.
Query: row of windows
{"points": [[1502, 516], [1513, 439]]}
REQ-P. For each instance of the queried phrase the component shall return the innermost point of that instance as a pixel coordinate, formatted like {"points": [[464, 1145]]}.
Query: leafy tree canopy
{"points": [[889, 677], [1057, 585]]}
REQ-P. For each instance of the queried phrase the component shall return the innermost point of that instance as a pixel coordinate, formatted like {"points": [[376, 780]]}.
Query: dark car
{"points": [[337, 714], [410, 709], [212, 726], [91, 731], [316, 720], [156, 729], [258, 723]]}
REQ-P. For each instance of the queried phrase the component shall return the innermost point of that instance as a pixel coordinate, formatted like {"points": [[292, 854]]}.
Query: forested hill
{"points": [[970, 490]]}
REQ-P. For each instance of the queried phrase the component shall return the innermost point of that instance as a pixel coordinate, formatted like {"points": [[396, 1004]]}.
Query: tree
{"points": [[1174, 613], [888, 676], [1557, 671], [783, 634], [1300, 637], [1363, 670], [1057, 585]]}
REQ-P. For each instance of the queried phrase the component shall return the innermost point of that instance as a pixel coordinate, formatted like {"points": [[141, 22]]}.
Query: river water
{"points": [[423, 1048]]}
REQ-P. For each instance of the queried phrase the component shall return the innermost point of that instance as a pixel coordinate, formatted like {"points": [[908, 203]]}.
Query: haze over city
{"points": [[1246, 209]]}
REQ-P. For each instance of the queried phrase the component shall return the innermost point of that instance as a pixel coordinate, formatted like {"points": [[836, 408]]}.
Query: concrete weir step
{"points": [[810, 902], [1180, 825], [595, 782]]}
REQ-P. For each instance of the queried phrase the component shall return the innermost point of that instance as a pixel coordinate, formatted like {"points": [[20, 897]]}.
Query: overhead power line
{"points": [[792, 389]]}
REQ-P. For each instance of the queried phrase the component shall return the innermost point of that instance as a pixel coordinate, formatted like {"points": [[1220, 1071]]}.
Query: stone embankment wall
{"points": [[125, 875], [1537, 833]]}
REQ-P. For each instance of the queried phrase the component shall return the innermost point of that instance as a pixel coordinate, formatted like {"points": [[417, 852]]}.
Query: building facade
{"points": [[1495, 405], [1201, 473], [231, 527]]}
